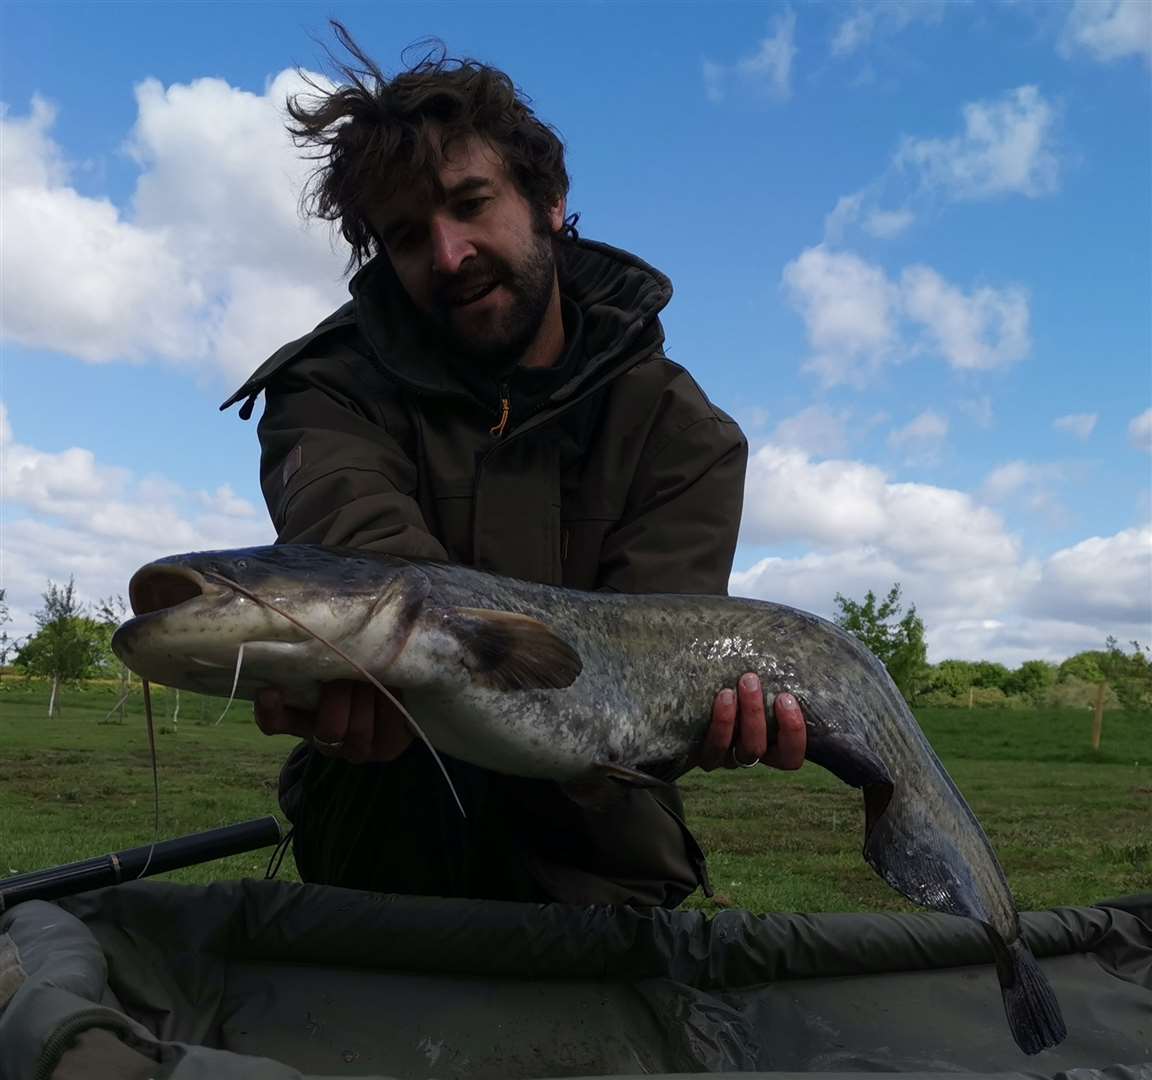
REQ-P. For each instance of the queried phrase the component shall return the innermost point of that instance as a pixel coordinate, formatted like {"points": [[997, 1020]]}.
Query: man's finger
{"points": [[391, 734], [791, 734], [273, 717], [752, 733], [269, 712], [332, 714], [361, 723], [719, 735]]}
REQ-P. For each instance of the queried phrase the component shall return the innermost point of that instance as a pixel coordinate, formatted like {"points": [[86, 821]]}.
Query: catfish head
{"points": [[194, 613]]}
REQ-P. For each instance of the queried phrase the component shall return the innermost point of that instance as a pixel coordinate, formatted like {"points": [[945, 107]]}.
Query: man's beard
{"points": [[500, 345]]}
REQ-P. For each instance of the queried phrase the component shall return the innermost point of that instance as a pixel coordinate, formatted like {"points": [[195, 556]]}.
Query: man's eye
{"points": [[469, 207]]}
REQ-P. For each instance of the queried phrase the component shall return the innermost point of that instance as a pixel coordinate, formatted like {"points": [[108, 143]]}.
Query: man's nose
{"points": [[450, 247]]}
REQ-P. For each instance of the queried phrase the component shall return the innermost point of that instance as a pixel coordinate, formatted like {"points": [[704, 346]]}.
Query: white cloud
{"points": [[978, 410], [884, 224], [846, 212], [816, 429], [850, 308], [1027, 485], [859, 320], [769, 68], [1106, 580], [979, 595], [1005, 480], [213, 265], [1007, 147], [226, 502], [129, 296], [838, 504], [1140, 431], [1109, 30], [714, 78], [31, 158], [1079, 424], [987, 328], [78, 517], [922, 438], [869, 20]]}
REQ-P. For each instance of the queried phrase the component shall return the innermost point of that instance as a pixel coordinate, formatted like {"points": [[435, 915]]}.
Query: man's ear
{"points": [[557, 213]]}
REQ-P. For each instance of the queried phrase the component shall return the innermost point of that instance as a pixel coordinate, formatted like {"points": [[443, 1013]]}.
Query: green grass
{"points": [[1071, 826], [79, 786]]}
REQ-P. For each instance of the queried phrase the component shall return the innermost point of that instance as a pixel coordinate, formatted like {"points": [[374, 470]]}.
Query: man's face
{"points": [[474, 258]]}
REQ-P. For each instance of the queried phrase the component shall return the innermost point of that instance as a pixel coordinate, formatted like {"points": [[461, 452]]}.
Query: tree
{"points": [[1088, 666], [1033, 678], [897, 640], [8, 644], [66, 646], [111, 612], [1129, 675], [952, 677]]}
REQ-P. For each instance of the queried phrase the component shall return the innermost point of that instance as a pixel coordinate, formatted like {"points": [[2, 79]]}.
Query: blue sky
{"points": [[911, 246]]}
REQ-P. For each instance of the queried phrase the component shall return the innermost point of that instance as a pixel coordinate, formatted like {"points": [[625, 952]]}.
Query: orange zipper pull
{"points": [[505, 407]]}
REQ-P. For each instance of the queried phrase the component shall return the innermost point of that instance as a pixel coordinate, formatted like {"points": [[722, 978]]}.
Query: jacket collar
{"points": [[619, 297]]}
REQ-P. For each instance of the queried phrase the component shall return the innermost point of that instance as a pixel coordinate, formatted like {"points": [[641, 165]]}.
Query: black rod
{"points": [[135, 862]]}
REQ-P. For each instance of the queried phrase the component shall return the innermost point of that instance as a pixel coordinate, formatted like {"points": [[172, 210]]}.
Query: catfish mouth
{"points": [[162, 588]]}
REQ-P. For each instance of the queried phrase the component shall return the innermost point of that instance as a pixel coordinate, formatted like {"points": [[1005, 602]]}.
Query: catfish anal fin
{"points": [[847, 757], [851, 760], [507, 651], [612, 770]]}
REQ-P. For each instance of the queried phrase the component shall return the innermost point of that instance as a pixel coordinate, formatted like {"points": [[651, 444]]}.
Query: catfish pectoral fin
{"points": [[507, 651], [1029, 1001]]}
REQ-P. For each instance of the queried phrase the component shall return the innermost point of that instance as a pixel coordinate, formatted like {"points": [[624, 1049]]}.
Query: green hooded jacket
{"points": [[610, 471]]}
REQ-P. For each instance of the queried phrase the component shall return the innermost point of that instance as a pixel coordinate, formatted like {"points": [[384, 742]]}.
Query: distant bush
{"points": [[1073, 692], [982, 698], [1069, 693]]}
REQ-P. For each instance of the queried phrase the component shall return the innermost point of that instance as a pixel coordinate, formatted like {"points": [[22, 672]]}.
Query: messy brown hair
{"points": [[372, 135]]}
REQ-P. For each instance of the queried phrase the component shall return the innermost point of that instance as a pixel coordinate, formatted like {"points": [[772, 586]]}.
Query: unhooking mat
{"points": [[267, 980]]}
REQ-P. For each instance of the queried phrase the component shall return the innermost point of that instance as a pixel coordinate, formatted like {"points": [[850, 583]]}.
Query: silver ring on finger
{"points": [[732, 753], [327, 744]]}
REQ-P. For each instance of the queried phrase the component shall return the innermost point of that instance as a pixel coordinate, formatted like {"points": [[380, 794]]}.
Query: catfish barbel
{"points": [[538, 681]]}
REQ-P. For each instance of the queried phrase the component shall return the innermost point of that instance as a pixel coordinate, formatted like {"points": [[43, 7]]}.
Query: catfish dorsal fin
{"points": [[507, 651]]}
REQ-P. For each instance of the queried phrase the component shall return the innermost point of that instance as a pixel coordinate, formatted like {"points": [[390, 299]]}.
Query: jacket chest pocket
{"points": [[448, 505], [516, 516]]}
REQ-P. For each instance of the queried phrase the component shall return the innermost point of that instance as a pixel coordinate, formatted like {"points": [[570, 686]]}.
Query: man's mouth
{"points": [[463, 299]]}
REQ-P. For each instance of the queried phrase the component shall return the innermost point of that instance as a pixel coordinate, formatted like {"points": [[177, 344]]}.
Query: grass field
{"points": [[1071, 826]]}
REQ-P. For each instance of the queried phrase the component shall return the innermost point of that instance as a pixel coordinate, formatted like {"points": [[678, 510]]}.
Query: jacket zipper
{"points": [[497, 429]]}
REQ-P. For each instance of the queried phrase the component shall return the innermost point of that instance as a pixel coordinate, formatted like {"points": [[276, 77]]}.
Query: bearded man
{"points": [[494, 394]]}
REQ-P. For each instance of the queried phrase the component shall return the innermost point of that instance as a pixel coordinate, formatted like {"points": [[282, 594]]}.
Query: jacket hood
{"points": [[618, 294]]}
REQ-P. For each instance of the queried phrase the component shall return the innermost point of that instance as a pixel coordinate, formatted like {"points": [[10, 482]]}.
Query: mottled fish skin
{"points": [[652, 667], [649, 669]]}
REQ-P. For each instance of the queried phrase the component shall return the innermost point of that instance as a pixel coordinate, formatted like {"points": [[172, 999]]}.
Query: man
{"points": [[495, 394]]}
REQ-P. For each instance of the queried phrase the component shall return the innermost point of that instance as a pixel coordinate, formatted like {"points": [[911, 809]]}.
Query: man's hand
{"points": [[353, 721], [738, 734]]}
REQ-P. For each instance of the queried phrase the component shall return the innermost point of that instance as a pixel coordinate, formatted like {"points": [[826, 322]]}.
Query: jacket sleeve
{"points": [[334, 471], [679, 528]]}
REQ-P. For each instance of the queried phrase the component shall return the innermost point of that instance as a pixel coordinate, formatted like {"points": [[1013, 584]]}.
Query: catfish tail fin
{"points": [[1033, 1011]]}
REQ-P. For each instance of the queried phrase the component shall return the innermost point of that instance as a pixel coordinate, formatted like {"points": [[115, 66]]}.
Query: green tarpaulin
{"points": [[263, 979]]}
